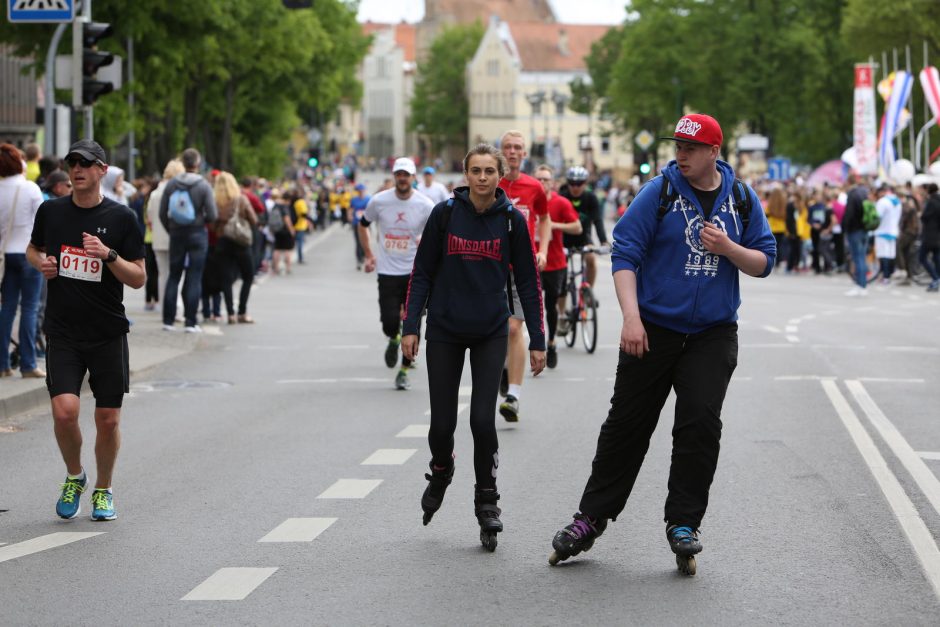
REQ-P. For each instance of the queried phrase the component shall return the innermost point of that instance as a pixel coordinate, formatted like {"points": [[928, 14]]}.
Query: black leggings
{"points": [[445, 366], [553, 283], [235, 258]]}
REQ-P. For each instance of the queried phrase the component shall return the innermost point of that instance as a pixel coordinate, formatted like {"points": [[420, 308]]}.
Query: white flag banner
{"points": [[865, 124]]}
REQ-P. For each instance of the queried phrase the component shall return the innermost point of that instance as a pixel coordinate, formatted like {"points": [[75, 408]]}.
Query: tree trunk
{"points": [[191, 113], [225, 148]]}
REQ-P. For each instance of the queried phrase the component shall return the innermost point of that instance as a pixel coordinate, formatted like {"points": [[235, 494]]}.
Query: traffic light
{"points": [[92, 60], [313, 157], [645, 168]]}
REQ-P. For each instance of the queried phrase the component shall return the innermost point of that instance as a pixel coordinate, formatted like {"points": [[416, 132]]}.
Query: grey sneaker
{"points": [[401, 381], [509, 409]]}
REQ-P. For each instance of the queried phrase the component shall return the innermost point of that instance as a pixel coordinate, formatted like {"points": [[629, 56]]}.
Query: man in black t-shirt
{"points": [[88, 248]]}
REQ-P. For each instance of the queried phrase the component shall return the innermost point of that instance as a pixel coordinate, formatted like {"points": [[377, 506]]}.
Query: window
{"points": [[492, 67], [605, 144]]}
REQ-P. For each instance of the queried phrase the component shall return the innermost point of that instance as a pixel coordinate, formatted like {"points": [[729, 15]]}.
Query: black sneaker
{"points": [[509, 409], [551, 357], [391, 351], [504, 383]]}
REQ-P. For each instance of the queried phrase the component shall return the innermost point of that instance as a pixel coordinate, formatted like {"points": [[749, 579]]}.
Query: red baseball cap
{"points": [[697, 128]]}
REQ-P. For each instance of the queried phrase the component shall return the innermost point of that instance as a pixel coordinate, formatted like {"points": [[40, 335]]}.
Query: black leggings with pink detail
{"points": [[445, 367]]}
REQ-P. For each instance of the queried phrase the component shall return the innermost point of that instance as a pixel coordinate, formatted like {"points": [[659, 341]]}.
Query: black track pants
{"points": [[445, 366], [699, 368]]}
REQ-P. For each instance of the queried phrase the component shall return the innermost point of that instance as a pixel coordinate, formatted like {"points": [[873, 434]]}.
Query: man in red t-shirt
{"points": [[526, 195], [564, 220]]}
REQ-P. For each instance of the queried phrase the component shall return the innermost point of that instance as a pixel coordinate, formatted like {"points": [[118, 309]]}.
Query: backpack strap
{"points": [[667, 196], [742, 202]]}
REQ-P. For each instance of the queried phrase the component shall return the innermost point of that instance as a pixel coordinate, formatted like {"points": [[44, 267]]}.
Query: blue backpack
{"points": [[181, 209]]}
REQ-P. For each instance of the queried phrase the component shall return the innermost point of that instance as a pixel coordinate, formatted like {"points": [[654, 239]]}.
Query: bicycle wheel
{"points": [[572, 314], [588, 320]]}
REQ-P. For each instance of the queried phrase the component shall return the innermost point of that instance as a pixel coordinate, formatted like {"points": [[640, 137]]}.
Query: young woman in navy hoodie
{"points": [[460, 274], [676, 258]]}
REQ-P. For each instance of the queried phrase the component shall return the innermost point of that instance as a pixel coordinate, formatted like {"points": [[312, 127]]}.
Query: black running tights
{"points": [[445, 367]]}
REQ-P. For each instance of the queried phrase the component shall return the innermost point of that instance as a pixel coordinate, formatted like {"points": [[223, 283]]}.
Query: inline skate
{"points": [[576, 537], [484, 505], [685, 544]]}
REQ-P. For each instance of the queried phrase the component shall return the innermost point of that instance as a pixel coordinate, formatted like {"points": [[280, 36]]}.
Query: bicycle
{"points": [[581, 305]]}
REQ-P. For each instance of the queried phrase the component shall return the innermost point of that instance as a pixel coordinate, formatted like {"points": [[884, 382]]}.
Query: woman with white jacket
{"points": [[21, 285], [161, 239]]}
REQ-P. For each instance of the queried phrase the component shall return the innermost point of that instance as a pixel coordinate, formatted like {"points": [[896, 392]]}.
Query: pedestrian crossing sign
{"points": [[25, 11]]}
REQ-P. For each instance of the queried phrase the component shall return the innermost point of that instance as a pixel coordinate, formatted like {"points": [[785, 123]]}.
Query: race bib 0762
{"points": [[397, 244], [75, 263]]}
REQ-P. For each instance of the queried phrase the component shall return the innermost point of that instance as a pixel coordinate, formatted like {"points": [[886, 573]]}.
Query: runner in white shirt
{"points": [[431, 188], [399, 215]]}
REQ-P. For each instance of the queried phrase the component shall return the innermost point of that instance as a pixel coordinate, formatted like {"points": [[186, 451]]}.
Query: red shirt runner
{"points": [[527, 195], [561, 211]]}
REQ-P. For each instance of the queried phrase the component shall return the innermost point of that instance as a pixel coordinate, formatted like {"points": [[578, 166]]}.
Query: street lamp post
{"points": [[535, 100], [561, 101]]}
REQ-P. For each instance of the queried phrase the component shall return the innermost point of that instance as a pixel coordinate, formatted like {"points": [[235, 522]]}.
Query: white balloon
{"points": [[902, 171], [934, 168], [922, 179], [849, 157]]}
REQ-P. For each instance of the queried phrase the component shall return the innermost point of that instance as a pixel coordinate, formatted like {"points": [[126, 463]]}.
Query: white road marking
{"points": [[770, 328], [389, 457], [888, 380], [298, 530], [838, 347], [805, 377], [927, 350], [43, 543], [809, 317], [793, 321], [925, 548], [791, 328], [414, 431], [350, 489], [929, 454], [767, 346], [229, 584], [460, 408], [793, 339], [926, 480], [345, 347], [346, 380]]}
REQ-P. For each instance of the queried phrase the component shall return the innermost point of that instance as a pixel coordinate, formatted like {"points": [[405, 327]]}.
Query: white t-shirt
{"points": [[27, 202], [400, 224], [436, 191]]}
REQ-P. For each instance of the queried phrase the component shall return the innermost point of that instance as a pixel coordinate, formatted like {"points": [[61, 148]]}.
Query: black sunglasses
{"points": [[576, 183], [85, 163]]}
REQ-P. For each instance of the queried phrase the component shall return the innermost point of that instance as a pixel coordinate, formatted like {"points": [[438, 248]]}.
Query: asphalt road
{"points": [[243, 477]]}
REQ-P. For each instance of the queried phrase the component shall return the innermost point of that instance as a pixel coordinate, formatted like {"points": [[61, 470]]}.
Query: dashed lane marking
{"points": [[770, 328], [229, 584], [44, 543], [888, 380], [350, 489], [298, 530], [925, 479], [929, 455], [414, 431], [805, 377], [793, 339], [920, 538], [389, 457], [328, 381], [927, 350]]}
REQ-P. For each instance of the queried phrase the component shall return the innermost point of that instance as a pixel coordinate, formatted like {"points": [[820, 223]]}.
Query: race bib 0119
{"points": [[75, 263]]}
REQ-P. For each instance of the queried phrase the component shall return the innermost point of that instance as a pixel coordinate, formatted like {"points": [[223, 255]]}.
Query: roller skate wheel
{"points": [[554, 558], [686, 565], [488, 540]]}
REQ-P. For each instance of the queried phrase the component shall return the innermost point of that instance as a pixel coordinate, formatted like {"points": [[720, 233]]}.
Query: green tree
{"points": [[231, 77], [769, 67], [439, 107]]}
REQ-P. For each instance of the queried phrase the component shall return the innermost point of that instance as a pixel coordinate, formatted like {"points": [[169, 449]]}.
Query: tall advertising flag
{"points": [[930, 81], [900, 93], [865, 125]]}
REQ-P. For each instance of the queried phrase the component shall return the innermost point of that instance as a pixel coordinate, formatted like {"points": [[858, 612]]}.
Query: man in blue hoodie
{"points": [[676, 257]]}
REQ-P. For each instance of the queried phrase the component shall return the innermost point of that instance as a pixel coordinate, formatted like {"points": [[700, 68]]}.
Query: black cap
{"points": [[88, 149]]}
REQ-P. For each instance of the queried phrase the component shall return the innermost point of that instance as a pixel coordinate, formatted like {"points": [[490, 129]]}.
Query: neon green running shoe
{"points": [[69, 503], [103, 503]]}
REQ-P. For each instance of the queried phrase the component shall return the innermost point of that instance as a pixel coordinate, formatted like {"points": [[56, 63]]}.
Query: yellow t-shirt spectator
{"points": [[32, 171], [300, 207]]}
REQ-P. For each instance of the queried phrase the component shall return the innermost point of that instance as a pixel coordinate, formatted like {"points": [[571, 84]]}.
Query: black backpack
{"points": [[445, 220], [742, 200]]}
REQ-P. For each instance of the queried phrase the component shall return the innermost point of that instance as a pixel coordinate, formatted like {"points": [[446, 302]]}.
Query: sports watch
{"points": [[112, 256]]}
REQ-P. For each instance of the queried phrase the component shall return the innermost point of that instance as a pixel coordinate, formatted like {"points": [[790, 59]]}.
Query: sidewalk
{"points": [[148, 343]]}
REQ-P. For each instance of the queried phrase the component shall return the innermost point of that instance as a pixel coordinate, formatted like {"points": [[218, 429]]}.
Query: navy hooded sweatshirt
{"points": [[461, 275], [679, 284]]}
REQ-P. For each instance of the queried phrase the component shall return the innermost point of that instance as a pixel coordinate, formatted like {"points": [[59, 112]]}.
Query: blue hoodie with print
{"points": [[680, 285], [461, 274]]}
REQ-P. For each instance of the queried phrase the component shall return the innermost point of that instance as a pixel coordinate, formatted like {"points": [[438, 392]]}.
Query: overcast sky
{"points": [[567, 11]]}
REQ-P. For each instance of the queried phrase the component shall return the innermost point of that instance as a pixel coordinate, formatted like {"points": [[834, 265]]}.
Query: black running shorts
{"points": [[105, 361]]}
